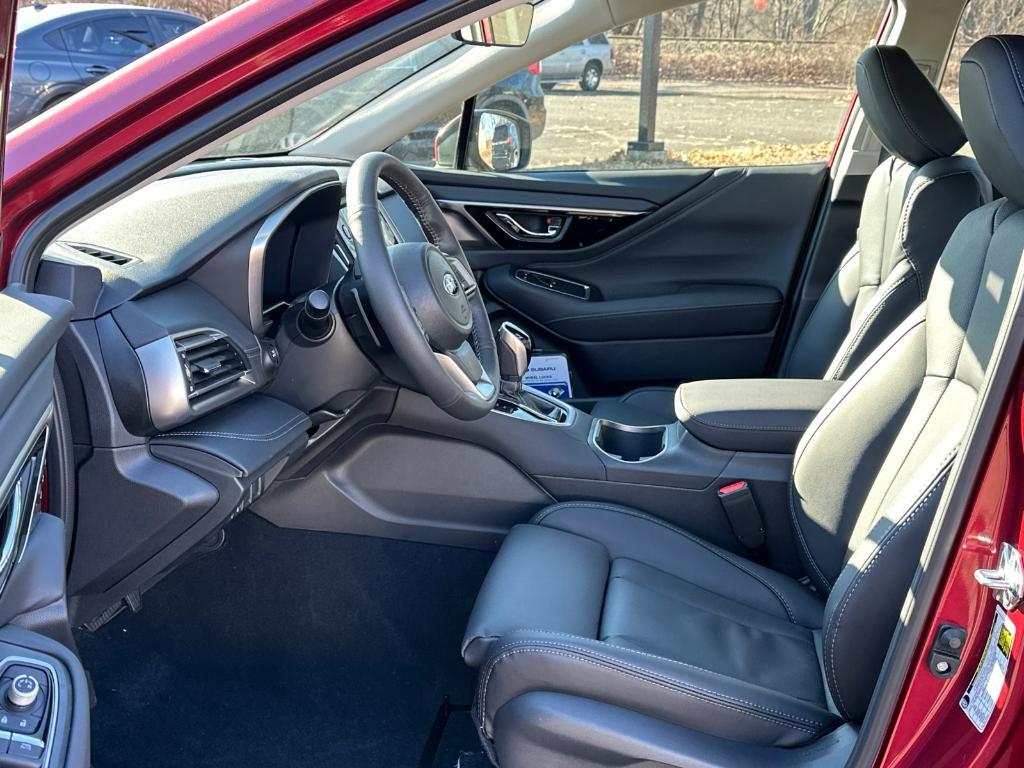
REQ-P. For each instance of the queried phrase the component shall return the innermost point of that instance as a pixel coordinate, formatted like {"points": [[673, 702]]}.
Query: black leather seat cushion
{"points": [[628, 599]]}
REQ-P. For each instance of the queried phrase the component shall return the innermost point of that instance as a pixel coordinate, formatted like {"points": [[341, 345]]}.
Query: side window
{"points": [[127, 36], [171, 27], [735, 84], [54, 39], [980, 18]]}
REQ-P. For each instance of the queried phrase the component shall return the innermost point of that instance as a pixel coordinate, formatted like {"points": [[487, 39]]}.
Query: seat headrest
{"points": [[907, 114], [992, 101]]}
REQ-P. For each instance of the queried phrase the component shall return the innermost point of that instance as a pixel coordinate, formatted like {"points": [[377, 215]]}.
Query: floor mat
{"points": [[287, 648]]}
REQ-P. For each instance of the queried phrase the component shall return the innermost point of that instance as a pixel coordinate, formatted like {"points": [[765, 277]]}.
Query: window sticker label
{"points": [[549, 374], [988, 682]]}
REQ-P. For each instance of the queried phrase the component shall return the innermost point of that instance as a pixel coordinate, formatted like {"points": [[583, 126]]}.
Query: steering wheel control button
{"points": [[23, 691]]}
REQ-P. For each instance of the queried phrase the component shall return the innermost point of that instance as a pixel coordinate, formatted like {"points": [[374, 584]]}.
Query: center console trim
{"points": [[599, 424], [54, 703]]}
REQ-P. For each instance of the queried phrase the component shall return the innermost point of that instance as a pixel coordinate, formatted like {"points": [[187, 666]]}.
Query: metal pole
{"points": [[649, 68]]}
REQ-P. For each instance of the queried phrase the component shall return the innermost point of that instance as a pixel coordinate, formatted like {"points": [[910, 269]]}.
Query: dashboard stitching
{"points": [[262, 438]]}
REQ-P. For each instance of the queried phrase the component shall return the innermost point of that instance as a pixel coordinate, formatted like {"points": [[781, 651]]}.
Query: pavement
{"points": [[590, 129]]}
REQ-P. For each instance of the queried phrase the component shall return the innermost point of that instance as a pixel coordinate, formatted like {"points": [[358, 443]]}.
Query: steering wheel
{"points": [[424, 294]]}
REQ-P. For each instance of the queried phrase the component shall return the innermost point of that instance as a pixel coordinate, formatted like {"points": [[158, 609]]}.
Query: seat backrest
{"points": [[870, 471], [912, 203]]}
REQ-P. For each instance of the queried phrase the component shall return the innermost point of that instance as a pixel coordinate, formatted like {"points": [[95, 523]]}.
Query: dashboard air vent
{"points": [[210, 362], [103, 254]]}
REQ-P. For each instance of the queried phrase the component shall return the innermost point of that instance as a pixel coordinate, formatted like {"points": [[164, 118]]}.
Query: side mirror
{"points": [[498, 141], [507, 29]]}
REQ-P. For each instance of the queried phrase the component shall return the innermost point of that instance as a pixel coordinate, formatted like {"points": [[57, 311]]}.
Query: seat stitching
{"points": [[899, 108], [648, 676], [734, 427], [820, 419], [1007, 51], [889, 537], [867, 321], [543, 514], [645, 654], [675, 689]]}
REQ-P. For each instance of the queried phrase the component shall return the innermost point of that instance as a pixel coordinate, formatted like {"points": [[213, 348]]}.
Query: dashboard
{"points": [[190, 379], [191, 281]]}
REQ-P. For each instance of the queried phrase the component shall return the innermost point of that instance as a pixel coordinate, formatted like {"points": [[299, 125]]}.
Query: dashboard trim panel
{"points": [[258, 251]]}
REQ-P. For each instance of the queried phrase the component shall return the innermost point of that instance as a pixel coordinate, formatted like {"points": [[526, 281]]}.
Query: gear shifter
{"points": [[514, 347]]}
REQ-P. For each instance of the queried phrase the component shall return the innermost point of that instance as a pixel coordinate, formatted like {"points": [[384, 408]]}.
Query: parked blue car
{"points": [[60, 49]]}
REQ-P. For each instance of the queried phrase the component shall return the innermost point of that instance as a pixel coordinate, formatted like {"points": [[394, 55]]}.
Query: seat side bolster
{"points": [[544, 579], [669, 690]]}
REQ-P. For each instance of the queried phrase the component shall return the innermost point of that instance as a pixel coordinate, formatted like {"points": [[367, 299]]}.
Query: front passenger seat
{"points": [[912, 203], [607, 636]]}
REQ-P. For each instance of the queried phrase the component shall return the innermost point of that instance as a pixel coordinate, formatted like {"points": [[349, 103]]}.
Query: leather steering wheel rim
{"points": [[424, 295]]}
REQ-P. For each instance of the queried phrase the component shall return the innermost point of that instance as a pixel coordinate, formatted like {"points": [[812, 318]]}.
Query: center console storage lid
{"points": [[752, 415]]}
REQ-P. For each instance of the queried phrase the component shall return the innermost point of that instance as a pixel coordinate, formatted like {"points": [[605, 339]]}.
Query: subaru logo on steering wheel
{"points": [[450, 284]]}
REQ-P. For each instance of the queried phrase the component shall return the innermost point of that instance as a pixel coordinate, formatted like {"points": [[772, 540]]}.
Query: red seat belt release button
{"points": [[742, 512]]}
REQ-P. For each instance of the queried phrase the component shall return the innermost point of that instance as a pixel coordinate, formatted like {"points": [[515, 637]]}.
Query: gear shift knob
{"points": [[514, 348]]}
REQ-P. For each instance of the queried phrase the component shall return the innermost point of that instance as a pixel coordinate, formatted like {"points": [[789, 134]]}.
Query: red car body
{"points": [[89, 134]]}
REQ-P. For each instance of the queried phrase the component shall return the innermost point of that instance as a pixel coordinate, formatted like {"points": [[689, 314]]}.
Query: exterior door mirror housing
{"points": [[498, 141]]}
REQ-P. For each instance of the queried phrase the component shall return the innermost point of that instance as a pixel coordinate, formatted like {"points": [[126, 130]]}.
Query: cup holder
{"points": [[626, 443]]}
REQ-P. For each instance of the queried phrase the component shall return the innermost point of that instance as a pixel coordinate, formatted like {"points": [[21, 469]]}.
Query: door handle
{"points": [[550, 232], [99, 69]]}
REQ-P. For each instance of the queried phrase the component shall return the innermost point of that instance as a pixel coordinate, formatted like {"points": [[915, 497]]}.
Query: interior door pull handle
{"points": [[550, 233]]}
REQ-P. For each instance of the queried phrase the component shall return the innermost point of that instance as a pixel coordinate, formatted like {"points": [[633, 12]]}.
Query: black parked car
{"points": [[60, 49]]}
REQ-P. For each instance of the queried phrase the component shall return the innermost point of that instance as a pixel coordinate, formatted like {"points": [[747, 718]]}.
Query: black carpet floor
{"points": [[289, 648]]}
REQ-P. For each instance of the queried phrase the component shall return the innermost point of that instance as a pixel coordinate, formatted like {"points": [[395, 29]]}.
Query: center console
{"points": [[404, 468]]}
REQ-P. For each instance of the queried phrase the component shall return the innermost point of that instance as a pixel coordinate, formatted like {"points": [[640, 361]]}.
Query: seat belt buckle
{"points": [[742, 512]]}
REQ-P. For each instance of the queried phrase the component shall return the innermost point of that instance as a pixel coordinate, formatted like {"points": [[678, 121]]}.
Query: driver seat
{"points": [[607, 636]]}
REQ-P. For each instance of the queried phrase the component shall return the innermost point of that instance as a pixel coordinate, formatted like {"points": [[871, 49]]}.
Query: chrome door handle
{"points": [[1006, 580], [550, 233]]}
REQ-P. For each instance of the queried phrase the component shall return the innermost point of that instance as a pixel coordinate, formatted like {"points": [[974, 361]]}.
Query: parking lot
{"points": [[700, 123]]}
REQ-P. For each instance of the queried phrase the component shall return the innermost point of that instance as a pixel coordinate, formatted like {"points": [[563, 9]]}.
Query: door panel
{"points": [[35, 636], [685, 277]]}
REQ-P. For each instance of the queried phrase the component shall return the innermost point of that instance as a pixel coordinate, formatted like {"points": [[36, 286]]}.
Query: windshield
{"points": [[288, 130]]}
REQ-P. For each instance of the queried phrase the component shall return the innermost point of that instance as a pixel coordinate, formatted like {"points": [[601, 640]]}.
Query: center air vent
{"points": [[103, 254], [210, 361]]}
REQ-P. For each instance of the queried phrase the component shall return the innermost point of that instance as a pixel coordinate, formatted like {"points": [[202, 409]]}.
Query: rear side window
{"points": [[171, 27], [981, 18], [126, 36], [598, 40], [54, 39]]}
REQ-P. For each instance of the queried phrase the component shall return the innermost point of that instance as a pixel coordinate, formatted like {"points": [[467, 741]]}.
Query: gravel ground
{"points": [[721, 118]]}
